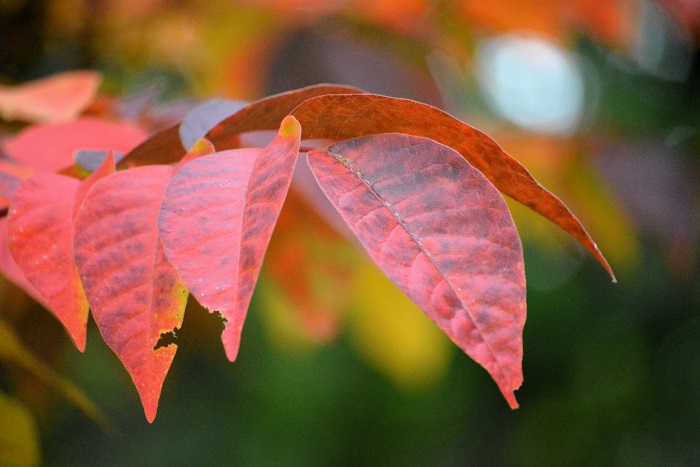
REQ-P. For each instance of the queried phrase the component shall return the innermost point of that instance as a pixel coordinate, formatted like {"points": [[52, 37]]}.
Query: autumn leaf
{"points": [[40, 239], [341, 117], [57, 98], [50, 147], [216, 221], [442, 233], [135, 294]]}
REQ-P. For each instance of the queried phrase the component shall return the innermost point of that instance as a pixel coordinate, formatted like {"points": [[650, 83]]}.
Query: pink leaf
{"points": [[443, 233], [50, 148], [40, 239], [135, 295], [217, 218]]}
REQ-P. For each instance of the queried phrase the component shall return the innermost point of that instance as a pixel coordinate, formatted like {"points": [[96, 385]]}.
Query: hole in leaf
{"points": [[166, 339]]}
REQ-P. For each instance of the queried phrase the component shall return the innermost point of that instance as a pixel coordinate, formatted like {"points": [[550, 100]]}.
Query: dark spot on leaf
{"points": [[419, 177], [452, 172]]}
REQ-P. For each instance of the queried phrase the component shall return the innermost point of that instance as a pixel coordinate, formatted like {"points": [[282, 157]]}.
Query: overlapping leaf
{"points": [[442, 233], [40, 239], [217, 217], [135, 294], [266, 114], [346, 116]]}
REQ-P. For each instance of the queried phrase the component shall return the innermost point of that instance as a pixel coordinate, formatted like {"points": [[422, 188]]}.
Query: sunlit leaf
{"points": [[216, 221], [442, 233], [135, 295]]}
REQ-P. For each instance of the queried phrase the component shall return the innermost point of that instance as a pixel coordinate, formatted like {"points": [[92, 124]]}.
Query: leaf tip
{"points": [[290, 127]]}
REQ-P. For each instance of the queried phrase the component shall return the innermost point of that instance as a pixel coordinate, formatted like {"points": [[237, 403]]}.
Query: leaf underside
{"points": [[440, 230]]}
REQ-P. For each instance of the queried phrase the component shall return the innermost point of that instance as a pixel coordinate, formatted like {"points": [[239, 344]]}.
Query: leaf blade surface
{"points": [[135, 294], [442, 233], [217, 218]]}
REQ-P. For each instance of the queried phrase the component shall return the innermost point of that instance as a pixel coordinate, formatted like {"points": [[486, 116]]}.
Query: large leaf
{"points": [[217, 218], [442, 233], [135, 295], [266, 114], [40, 239], [346, 116]]}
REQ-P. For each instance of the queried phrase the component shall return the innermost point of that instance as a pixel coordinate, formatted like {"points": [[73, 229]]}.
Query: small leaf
{"points": [[442, 233], [134, 293], [40, 239], [217, 218], [347, 116], [50, 148], [266, 114], [58, 98], [204, 117]]}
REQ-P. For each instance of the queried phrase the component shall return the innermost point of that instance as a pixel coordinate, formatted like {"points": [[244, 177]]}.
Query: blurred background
{"points": [[599, 99]]}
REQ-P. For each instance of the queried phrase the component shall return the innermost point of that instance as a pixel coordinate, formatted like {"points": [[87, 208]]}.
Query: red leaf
{"points": [[442, 233], [135, 295], [266, 114], [40, 239], [347, 116], [217, 218], [58, 98], [50, 148]]}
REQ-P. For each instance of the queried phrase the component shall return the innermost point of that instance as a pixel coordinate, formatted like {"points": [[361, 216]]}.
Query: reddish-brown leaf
{"points": [[266, 114], [58, 98], [217, 218], [347, 116], [40, 239], [442, 233], [50, 148], [135, 295]]}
